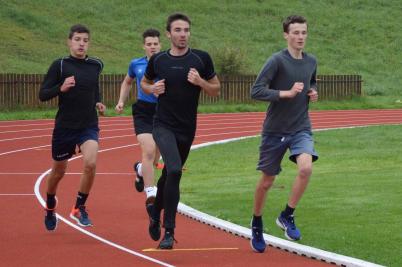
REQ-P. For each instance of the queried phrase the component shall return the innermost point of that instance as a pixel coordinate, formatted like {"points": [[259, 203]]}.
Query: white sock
{"points": [[150, 191], [139, 169]]}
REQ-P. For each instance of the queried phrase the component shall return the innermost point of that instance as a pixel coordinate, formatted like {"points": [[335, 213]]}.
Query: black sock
{"points": [[257, 221], [50, 201], [288, 211], [81, 199]]}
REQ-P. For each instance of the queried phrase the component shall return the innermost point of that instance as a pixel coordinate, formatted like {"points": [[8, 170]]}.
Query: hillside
{"points": [[347, 37]]}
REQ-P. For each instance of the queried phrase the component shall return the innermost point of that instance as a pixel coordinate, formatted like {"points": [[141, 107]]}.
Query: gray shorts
{"points": [[274, 146]]}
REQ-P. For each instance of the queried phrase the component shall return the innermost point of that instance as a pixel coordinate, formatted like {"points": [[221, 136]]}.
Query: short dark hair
{"points": [[150, 33], [174, 17], [79, 28], [293, 19]]}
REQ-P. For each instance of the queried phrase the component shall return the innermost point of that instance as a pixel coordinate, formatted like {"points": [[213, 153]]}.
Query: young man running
{"points": [[288, 82], [143, 111], [75, 81], [182, 73]]}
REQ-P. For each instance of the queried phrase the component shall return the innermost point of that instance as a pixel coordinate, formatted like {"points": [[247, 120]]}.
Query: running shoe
{"points": [[80, 215], [257, 241], [159, 166], [149, 205], [154, 229], [288, 225], [51, 219], [167, 241], [139, 180]]}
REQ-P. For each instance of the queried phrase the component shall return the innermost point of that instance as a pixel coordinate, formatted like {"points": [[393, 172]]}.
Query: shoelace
{"points": [[171, 236], [291, 222], [258, 233], [83, 212]]}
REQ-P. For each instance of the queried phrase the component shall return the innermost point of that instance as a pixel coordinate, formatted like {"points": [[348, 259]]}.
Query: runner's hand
{"points": [[67, 84], [119, 107], [101, 108], [158, 88]]}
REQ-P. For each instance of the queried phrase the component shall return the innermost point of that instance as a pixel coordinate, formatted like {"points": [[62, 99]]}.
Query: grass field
{"points": [[352, 205], [348, 37]]}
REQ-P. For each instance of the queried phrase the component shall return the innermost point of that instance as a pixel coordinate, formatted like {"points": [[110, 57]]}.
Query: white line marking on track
{"points": [[2, 195], [43, 203], [24, 149], [67, 173], [26, 137]]}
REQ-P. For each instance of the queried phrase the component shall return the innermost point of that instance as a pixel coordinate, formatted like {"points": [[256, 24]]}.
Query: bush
{"points": [[229, 60]]}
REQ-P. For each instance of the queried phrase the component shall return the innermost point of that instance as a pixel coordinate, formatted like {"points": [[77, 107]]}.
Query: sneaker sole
{"points": [[284, 229], [170, 247], [78, 221]]}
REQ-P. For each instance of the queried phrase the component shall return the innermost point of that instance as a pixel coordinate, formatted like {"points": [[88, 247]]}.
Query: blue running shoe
{"points": [[50, 220], [167, 241], [288, 225], [80, 215], [257, 241], [139, 180]]}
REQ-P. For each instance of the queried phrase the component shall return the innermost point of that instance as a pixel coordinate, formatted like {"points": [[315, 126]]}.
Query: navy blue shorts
{"points": [[143, 116], [273, 147], [64, 141]]}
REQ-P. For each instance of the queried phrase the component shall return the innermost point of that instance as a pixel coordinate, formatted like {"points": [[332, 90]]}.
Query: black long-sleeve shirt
{"points": [[77, 106]]}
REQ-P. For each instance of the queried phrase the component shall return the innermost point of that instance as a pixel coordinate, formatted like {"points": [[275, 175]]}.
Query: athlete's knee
{"points": [[175, 172], [57, 174], [90, 166], [149, 155], [305, 171], [266, 182]]}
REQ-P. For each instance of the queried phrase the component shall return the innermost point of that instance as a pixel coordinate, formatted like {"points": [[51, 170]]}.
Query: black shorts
{"points": [[143, 116], [64, 141]]}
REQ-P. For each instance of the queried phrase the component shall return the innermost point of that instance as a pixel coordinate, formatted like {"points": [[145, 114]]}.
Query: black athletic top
{"points": [[77, 105], [177, 107]]}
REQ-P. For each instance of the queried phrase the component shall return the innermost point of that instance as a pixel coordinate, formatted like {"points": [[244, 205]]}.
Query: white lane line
{"points": [[67, 173], [43, 203], [39, 147], [24, 149], [30, 130], [26, 137], [3, 195]]}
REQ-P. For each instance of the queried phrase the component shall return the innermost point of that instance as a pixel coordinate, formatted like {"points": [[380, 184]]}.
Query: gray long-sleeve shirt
{"points": [[280, 72]]}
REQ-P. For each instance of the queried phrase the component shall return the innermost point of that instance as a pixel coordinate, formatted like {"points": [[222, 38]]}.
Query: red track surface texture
{"points": [[116, 209]]}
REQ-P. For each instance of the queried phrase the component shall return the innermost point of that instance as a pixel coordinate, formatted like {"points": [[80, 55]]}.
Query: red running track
{"points": [[117, 210]]}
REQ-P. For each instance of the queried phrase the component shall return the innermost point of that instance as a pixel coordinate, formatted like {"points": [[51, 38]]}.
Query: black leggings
{"points": [[174, 148]]}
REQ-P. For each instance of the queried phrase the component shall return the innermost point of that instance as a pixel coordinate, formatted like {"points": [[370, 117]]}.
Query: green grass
{"points": [[348, 37], [351, 206]]}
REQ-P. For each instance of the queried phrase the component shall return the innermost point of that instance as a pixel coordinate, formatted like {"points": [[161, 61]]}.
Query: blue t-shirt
{"points": [[136, 71]]}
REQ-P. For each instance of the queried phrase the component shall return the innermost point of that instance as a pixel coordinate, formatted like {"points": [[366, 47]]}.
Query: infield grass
{"points": [[352, 205]]}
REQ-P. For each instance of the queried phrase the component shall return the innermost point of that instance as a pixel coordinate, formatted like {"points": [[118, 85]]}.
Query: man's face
{"points": [[179, 34], [296, 36], [78, 44], [151, 46]]}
